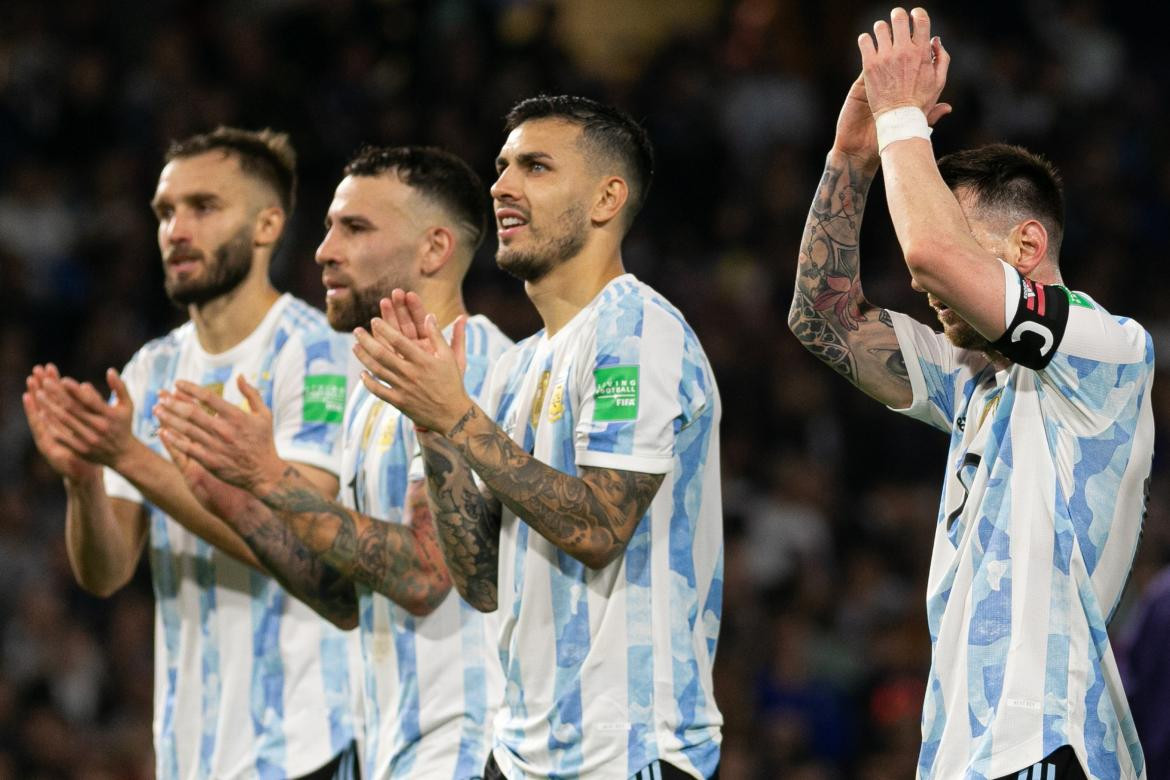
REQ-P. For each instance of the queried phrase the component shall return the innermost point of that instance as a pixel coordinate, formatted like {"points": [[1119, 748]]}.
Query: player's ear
{"points": [[612, 194], [269, 226], [1031, 239], [438, 245]]}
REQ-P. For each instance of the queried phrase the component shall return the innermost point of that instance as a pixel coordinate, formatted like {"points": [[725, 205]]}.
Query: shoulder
{"points": [[485, 338], [300, 317], [164, 346]]}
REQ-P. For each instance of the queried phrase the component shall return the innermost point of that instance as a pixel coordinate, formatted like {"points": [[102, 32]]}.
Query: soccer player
{"points": [[410, 218], [599, 535], [248, 682], [1045, 397]]}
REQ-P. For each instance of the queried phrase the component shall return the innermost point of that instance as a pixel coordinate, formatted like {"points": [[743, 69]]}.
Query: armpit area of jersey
{"points": [[1036, 331]]}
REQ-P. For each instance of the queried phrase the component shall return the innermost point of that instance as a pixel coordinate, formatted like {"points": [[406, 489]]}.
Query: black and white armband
{"points": [[1037, 323]]}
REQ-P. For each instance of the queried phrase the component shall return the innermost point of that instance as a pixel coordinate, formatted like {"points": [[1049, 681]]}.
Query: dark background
{"points": [[830, 500]]}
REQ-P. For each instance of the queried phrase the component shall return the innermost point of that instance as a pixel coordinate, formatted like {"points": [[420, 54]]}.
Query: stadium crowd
{"points": [[824, 645]]}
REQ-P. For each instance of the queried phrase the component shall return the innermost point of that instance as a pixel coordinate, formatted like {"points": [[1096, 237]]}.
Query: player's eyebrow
{"points": [[523, 158]]}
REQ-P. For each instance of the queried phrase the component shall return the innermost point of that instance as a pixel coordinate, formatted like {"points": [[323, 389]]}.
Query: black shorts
{"points": [[343, 766], [1061, 764], [656, 771]]}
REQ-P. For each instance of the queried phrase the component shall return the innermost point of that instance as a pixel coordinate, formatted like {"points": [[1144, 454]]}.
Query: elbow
{"points": [[921, 257], [598, 559], [346, 622], [429, 598], [102, 589]]}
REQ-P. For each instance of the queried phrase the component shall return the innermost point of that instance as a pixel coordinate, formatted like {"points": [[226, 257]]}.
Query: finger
{"points": [[86, 395], [418, 312], [193, 422], [942, 61], [402, 312], [176, 449], [938, 112], [900, 27], [881, 35], [51, 371], [379, 390], [208, 398], [251, 395], [393, 343], [121, 392], [375, 365], [66, 420], [868, 50], [921, 28], [435, 336], [459, 342], [188, 448], [380, 328]]}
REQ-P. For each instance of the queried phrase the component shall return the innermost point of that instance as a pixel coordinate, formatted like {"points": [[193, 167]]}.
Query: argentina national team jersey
{"points": [[249, 682], [1042, 507], [431, 683], [608, 670]]}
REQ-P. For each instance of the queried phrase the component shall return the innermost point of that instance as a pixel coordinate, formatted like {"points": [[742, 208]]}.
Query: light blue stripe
{"points": [[210, 677], [335, 677], [373, 710], [640, 672], [406, 662], [473, 741], [267, 694]]}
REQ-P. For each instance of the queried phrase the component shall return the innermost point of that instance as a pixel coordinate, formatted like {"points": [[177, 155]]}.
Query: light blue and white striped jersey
{"points": [[432, 684], [608, 670], [1042, 508], [249, 682]]}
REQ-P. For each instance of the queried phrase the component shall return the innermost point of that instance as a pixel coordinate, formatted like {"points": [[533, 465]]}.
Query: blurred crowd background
{"points": [[830, 500]]}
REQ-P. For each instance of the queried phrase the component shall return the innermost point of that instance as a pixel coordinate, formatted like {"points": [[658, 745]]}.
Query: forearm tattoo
{"points": [[400, 561], [828, 308], [590, 517], [302, 573], [468, 524]]}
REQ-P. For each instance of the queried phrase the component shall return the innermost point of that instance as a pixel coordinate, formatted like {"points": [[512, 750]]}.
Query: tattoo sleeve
{"points": [[302, 573], [401, 561], [829, 313], [590, 517], [468, 523]]}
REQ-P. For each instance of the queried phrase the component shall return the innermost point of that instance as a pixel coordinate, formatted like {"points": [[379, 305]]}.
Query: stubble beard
{"points": [[232, 263], [534, 264]]}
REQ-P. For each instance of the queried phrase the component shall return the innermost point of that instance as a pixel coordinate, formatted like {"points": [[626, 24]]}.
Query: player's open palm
{"points": [[902, 65], [49, 437], [234, 444]]}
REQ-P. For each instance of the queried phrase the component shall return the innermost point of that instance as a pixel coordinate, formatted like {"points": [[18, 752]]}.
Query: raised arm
{"points": [[104, 537], [468, 522], [101, 433], [400, 561], [590, 517], [904, 68]]}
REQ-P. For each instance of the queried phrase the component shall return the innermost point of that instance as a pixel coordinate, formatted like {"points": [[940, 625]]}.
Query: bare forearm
{"points": [[829, 314], [589, 518], [468, 524], [294, 566], [103, 549], [398, 561], [160, 482], [828, 303]]}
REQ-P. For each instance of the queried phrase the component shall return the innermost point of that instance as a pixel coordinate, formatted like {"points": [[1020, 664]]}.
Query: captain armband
{"points": [[1035, 333]]}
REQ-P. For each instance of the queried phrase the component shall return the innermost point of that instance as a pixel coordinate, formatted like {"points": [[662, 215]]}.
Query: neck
{"points": [[572, 285], [444, 300], [224, 322]]}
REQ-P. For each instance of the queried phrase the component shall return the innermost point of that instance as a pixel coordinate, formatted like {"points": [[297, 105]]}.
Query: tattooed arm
{"points": [[829, 314], [468, 522], [402, 562], [590, 517]]}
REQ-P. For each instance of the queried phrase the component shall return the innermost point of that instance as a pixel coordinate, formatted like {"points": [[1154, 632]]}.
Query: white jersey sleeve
{"points": [[134, 375], [938, 370], [636, 392], [308, 397]]}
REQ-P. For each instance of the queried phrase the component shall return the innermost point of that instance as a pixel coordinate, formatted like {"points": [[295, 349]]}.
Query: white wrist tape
{"points": [[898, 124]]}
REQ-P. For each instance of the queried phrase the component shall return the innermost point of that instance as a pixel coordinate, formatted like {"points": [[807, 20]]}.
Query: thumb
{"points": [[938, 112], [121, 392], [251, 395], [459, 342], [435, 336]]}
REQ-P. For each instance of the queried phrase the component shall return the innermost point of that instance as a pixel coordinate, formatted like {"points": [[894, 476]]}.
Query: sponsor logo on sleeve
{"points": [[616, 395], [324, 398], [1075, 298]]}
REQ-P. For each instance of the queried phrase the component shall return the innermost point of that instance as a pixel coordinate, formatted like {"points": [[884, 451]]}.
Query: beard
{"points": [[361, 307], [533, 264], [233, 263], [963, 336]]}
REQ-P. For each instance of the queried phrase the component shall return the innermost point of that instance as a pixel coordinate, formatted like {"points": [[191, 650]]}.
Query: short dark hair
{"points": [[263, 154], [437, 174], [1008, 178], [608, 131]]}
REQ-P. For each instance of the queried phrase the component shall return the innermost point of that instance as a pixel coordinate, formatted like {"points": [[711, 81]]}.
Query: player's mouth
{"points": [[333, 287], [181, 263], [509, 222]]}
